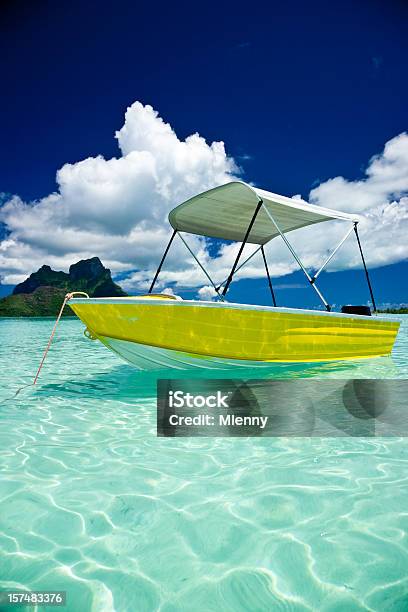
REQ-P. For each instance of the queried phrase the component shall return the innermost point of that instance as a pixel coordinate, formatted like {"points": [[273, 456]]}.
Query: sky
{"points": [[112, 115]]}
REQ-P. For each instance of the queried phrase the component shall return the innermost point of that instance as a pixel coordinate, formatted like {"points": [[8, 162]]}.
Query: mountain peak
{"points": [[40, 293], [87, 268]]}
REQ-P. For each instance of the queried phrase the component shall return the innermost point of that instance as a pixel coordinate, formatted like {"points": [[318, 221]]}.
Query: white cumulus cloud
{"points": [[206, 293], [117, 209], [381, 200]]}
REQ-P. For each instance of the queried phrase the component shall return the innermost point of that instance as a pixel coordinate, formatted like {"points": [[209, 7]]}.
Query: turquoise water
{"points": [[92, 502]]}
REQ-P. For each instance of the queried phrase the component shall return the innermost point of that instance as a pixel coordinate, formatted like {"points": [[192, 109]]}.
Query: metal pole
{"points": [[162, 261], [201, 266], [286, 241], [332, 254], [365, 268], [241, 248], [267, 274], [240, 266]]}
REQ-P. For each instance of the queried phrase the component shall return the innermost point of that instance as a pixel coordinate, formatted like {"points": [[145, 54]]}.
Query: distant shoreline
{"points": [[50, 317], [394, 311]]}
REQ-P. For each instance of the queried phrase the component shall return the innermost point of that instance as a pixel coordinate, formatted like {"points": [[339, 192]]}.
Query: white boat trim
{"points": [[148, 357]]}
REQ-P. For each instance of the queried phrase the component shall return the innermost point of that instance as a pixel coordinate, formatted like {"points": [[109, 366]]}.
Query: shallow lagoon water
{"points": [[92, 502]]}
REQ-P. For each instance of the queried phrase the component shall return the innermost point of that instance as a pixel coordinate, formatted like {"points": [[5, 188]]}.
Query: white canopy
{"points": [[226, 212]]}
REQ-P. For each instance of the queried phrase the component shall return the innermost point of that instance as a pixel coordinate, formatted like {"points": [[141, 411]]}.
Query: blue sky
{"points": [[299, 93]]}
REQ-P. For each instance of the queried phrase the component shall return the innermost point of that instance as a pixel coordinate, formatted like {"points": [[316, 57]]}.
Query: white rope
{"points": [[66, 299]]}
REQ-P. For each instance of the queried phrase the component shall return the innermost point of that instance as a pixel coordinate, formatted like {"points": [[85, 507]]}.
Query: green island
{"points": [[42, 293], [403, 310]]}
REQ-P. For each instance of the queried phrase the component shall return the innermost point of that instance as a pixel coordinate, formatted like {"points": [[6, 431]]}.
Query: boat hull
{"points": [[233, 333], [145, 357]]}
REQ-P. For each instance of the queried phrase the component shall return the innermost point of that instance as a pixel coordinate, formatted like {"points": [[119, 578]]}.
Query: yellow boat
{"points": [[160, 331]]}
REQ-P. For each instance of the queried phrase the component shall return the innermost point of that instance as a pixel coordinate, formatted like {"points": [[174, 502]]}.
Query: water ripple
{"points": [[92, 502]]}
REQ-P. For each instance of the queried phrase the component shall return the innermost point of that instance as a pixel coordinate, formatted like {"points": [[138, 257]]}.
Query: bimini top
{"points": [[226, 212]]}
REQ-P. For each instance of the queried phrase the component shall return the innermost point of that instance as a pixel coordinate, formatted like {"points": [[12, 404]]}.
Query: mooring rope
{"points": [[47, 348]]}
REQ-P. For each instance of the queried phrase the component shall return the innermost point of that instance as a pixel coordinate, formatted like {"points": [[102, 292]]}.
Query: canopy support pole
{"points": [[332, 254], [365, 267], [241, 248], [201, 266], [162, 261], [268, 275], [291, 249], [239, 267]]}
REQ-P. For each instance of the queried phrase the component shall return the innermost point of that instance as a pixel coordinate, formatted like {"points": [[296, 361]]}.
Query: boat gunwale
{"points": [[232, 305]]}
